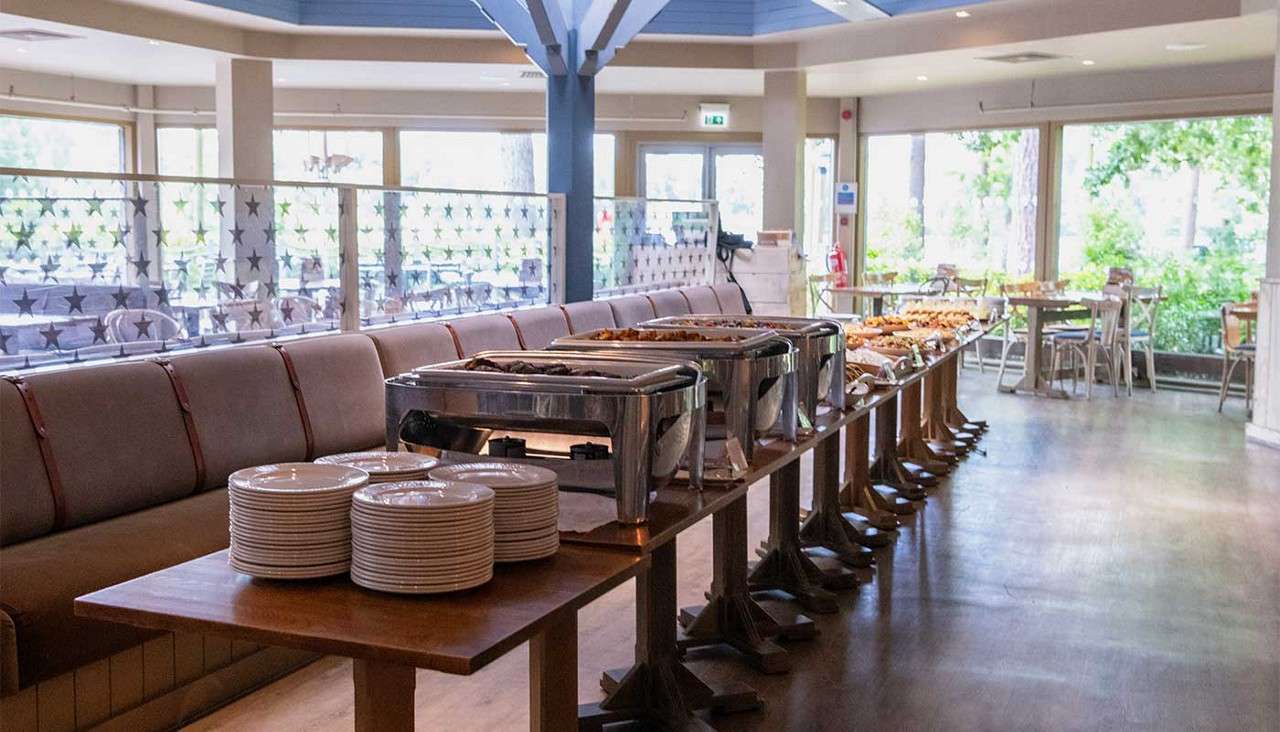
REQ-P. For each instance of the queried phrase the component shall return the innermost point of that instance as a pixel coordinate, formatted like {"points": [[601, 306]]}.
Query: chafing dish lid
{"points": [[782, 324], [739, 341], [633, 373]]}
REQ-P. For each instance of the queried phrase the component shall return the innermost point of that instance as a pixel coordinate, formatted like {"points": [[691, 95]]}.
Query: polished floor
{"points": [[1106, 565]]}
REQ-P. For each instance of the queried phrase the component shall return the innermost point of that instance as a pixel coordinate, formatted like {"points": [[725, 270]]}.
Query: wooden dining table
{"points": [[877, 293], [1041, 310], [389, 636]]}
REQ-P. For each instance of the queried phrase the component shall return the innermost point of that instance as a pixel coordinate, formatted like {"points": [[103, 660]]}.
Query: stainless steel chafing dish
{"points": [[653, 411], [820, 352], [751, 374]]}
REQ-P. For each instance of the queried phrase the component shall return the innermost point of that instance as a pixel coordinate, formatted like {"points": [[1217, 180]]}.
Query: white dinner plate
{"points": [[497, 475], [422, 495], [298, 478], [380, 463]]}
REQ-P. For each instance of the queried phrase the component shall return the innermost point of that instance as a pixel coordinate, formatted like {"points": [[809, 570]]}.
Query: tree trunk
{"points": [[517, 161], [1193, 209], [917, 182], [1024, 201]]}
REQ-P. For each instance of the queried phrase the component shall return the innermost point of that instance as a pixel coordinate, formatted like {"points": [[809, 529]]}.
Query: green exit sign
{"points": [[714, 116]]}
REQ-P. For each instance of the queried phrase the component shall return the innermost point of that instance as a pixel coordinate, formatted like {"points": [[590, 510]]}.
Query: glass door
{"points": [[674, 172], [738, 184]]}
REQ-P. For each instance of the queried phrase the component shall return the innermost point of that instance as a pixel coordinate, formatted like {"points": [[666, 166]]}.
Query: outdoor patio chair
{"points": [[1100, 338], [1238, 347]]}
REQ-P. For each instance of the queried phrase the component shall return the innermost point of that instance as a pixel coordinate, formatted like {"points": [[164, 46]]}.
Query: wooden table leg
{"points": [[384, 695], [954, 417], [783, 564], [936, 430], [826, 526], [659, 689], [1032, 382], [732, 616], [861, 496], [553, 675], [887, 468], [911, 443]]}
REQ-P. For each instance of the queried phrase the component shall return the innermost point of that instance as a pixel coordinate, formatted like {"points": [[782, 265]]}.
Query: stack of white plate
{"points": [[422, 536], [291, 520], [385, 467], [526, 509]]}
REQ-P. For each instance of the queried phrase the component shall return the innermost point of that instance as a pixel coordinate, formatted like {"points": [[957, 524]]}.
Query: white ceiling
{"points": [[114, 57]]}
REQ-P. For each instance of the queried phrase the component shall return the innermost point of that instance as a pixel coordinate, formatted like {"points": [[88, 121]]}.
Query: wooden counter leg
{"points": [[783, 564], [659, 689], [936, 431], [860, 496], [955, 417], [911, 443], [826, 526], [731, 616], [553, 675], [384, 695], [887, 468]]}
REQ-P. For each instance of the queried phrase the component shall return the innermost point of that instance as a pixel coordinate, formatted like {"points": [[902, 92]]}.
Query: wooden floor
{"points": [[1106, 565]]}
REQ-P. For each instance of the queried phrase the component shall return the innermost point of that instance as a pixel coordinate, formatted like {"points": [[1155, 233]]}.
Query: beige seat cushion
{"points": [[244, 409], [39, 579], [341, 380], [118, 438], [731, 298], [627, 311], [668, 302], [403, 348], [702, 300], [588, 316], [539, 326], [484, 333], [26, 503]]}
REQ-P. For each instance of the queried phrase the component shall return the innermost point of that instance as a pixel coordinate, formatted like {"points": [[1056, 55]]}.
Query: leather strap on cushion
{"points": [[188, 420], [46, 449], [519, 334], [302, 402], [687, 301], [567, 319]]}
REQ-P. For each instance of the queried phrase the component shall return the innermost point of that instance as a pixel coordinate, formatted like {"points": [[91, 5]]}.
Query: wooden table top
{"points": [[897, 288], [457, 633]]}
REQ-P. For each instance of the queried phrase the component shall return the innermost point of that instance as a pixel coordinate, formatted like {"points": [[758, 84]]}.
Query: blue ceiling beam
{"points": [[609, 25], [537, 28]]}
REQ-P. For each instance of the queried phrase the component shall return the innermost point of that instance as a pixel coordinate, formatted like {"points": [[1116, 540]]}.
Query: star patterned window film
{"points": [[642, 245]]}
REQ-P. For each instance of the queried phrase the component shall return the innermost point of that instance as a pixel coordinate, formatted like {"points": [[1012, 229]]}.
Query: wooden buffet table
{"points": [[389, 636]]}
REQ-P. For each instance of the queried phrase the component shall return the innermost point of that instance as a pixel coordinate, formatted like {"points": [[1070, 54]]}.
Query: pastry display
{"points": [[888, 323]]}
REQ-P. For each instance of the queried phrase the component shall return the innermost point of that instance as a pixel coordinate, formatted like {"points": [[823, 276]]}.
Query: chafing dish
{"points": [[887, 370], [653, 409], [819, 357], [751, 374]]}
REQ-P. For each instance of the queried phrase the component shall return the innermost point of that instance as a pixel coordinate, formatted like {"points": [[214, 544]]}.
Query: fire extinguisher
{"points": [[837, 266]]}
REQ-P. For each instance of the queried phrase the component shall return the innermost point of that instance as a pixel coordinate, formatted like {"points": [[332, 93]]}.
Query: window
{"points": [[58, 144], [962, 198], [339, 156], [490, 161], [1182, 203], [733, 175], [187, 151], [819, 197]]}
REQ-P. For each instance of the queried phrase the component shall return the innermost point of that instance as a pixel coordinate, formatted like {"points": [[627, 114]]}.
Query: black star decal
{"points": [[252, 204], [255, 315], [51, 336], [237, 288], [95, 206], [46, 206], [143, 265], [99, 332], [24, 303], [75, 301], [95, 268], [217, 204], [2, 271], [121, 297], [237, 236], [270, 287], [270, 234], [143, 325], [162, 296], [254, 261], [118, 236], [200, 232], [139, 206], [219, 321], [286, 310], [286, 260], [391, 279], [48, 268], [160, 234], [222, 263]]}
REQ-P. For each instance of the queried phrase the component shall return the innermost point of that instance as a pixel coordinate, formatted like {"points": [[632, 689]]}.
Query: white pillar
{"points": [[846, 226], [1265, 425], [785, 118], [245, 103]]}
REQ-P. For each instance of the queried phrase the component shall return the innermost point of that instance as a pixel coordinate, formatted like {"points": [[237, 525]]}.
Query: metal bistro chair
{"points": [[1102, 335], [1238, 347]]}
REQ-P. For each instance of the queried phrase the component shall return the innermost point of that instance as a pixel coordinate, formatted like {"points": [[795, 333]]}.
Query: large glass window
{"points": [[739, 189], [1181, 203], [819, 196], [733, 175], [58, 144], [962, 198], [490, 161], [187, 151], [340, 156]]}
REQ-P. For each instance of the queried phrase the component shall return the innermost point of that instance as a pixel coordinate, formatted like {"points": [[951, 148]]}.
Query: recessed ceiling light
{"points": [[840, 3], [1088, 62], [963, 14], [922, 77], [153, 43], [1184, 47], [21, 50]]}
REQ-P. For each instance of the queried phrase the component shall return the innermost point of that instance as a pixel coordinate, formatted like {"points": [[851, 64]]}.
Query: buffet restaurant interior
{"points": [[639, 364]]}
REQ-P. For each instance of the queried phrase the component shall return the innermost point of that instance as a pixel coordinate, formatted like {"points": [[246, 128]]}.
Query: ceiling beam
{"points": [[608, 25], [537, 29]]}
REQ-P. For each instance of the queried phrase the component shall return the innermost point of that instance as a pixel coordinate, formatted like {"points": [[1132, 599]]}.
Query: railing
{"points": [[96, 266]]}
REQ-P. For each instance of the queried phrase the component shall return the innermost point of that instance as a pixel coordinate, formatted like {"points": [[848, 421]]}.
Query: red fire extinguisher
{"points": [[837, 266]]}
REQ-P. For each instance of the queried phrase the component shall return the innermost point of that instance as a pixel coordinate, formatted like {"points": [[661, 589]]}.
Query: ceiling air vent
{"points": [[1021, 58], [532, 75], [32, 35]]}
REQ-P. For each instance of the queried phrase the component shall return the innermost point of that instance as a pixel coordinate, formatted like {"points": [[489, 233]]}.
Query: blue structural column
{"points": [[571, 125]]}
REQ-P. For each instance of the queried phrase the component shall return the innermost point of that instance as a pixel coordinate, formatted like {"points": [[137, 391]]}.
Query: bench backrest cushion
{"points": [[668, 302], [539, 326], [588, 316], [403, 348], [731, 298], [244, 408], [484, 333], [341, 381], [627, 311], [26, 501], [702, 300], [117, 437]]}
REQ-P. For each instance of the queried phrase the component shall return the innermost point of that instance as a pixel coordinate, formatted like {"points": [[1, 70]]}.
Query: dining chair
{"points": [[969, 286], [879, 278], [1014, 336], [1138, 328], [1102, 337], [1237, 348], [818, 292], [1119, 276]]}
